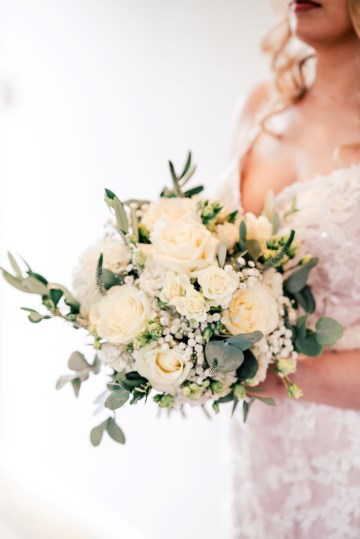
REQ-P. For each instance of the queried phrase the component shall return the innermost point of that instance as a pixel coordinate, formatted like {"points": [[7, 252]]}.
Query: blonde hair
{"points": [[288, 63]]}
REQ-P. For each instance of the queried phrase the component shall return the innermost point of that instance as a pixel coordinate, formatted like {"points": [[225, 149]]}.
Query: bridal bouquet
{"points": [[186, 302]]}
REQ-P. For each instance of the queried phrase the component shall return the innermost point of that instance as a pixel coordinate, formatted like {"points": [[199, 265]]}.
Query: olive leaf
{"points": [[221, 254]]}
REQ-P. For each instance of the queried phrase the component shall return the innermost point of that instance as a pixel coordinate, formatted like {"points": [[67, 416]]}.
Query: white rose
{"points": [[152, 277], [193, 305], [115, 356], [165, 369], [121, 314], [116, 257], [174, 208], [184, 246], [218, 284], [228, 233], [252, 309], [174, 285], [258, 228]]}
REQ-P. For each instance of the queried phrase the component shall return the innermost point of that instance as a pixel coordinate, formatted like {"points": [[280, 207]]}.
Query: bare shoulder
{"points": [[249, 106], [246, 112]]}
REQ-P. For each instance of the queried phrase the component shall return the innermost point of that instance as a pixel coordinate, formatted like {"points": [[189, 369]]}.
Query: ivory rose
{"points": [[185, 245], [258, 228], [174, 208], [121, 314], [227, 233], [218, 284], [165, 369], [192, 305], [174, 285], [116, 257], [252, 309]]}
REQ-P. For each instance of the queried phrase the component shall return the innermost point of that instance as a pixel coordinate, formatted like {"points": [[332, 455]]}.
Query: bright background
{"points": [[93, 94]]}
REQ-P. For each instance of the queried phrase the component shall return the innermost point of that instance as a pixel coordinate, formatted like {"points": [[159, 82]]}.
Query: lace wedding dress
{"points": [[296, 468]]}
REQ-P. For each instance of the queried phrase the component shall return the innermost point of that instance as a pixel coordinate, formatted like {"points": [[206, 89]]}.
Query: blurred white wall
{"points": [[93, 94]]}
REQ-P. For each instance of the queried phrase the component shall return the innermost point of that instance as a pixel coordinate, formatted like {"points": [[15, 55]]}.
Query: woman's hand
{"points": [[332, 378]]}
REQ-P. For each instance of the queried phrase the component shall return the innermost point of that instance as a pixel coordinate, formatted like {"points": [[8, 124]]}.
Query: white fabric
{"points": [[297, 466]]}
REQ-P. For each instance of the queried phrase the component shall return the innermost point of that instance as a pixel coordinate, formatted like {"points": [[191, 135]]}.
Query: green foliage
{"points": [[250, 247], [144, 234], [297, 280], [231, 218], [114, 431], [283, 251], [223, 356], [244, 341], [249, 367], [226, 354], [328, 331], [34, 316], [82, 370], [305, 299], [310, 342], [180, 180], [221, 255], [111, 427], [117, 398]]}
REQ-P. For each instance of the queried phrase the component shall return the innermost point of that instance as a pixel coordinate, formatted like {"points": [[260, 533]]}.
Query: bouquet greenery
{"points": [[186, 301]]}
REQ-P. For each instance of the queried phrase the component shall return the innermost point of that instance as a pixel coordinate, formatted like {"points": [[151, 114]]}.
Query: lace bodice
{"points": [[297, 466]]}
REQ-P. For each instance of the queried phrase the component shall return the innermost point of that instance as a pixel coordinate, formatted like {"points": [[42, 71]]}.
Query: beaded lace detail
{"points": [[297, 466]]}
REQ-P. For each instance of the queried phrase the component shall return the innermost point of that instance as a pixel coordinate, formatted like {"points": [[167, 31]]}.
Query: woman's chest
{"points": [[304, 150]]}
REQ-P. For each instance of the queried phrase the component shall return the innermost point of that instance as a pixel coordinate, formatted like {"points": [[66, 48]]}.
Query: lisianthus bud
{"points": [[295, 392], [239, 392]]}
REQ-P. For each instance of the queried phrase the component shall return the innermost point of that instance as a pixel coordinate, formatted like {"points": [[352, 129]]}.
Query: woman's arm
{"points": [[332, 378]]}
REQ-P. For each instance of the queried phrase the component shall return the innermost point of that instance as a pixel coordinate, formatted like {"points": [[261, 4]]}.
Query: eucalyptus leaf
{"points": [[308, 345], [117, 398], [97, 432], [249, 367], [297, 280], [65, 379], [244, 341], [305, 299], [77, 362], [225, 356], [114, 431], [328, 331], [301, 326], [76, 384]]}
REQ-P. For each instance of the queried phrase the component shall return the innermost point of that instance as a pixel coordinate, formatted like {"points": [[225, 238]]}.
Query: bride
{"points": [[297, 467]]}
